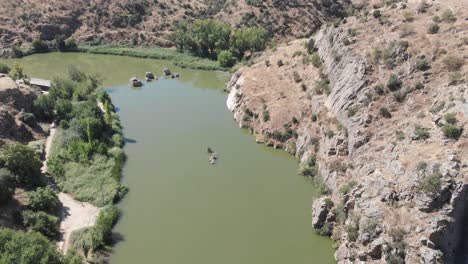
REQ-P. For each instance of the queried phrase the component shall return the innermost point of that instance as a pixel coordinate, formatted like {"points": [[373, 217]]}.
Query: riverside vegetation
{"points": [[86, 161]]}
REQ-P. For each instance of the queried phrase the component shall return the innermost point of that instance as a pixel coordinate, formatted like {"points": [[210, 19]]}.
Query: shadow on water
{"points": [[130, 141]]}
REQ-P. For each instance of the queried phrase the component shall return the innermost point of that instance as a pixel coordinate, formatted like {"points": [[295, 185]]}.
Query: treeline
{"points": [[87, 155], [21, 167], [86, 161], [216, 40]]}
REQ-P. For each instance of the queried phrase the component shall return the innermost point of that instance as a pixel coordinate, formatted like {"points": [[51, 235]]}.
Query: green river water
{"points": [[250, 208]]}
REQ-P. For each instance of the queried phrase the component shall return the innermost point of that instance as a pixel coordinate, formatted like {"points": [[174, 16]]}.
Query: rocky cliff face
{"points": [[375, 108]]}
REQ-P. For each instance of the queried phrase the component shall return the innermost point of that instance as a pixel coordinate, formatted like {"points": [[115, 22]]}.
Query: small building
{"points": [[41, 83]]}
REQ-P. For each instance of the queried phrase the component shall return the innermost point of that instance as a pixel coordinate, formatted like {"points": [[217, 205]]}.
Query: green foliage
{"points": [[183, 60], [433, 28], [86, 240], [39, 46], [345, 189], [451, 131], [44, 107], [297, 78], [421, 133], [383, 111], [28, 248], [4, 68], [322, 86], [395, 250], [450, 118], [316, 61], [206, 38], [23, 162], [339, 213], [44, 199], [325, 230], [107, 219], [419, 86], [430, 184], [226, 59], [422, 64], [376, 13], [41, 222], [448, 16], [280, 63], [17, 72], [7, 185], [352, 231], [453, 63], [266, 116], [394, 83], [421, 166], [248, 39], [379, 89]]}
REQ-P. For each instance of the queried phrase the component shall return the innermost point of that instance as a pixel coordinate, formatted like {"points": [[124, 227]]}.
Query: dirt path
{"points": [[74, 214]]}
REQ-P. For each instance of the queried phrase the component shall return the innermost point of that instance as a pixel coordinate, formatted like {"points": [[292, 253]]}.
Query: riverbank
{"points": [[74, 215], [182, 60]]}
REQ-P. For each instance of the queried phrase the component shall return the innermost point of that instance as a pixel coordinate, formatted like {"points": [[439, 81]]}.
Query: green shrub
{"points": [[44, 199], [41, 222], [384, 112], [394, 83], [352, 231], [376, 13], [431, 183], [325, 230], [39, 46], [266, 116], [453, 63], [28, 248], [322, 86], [451, 131], [107, 219], [280, 63], [297, 78], [346, 188], [433, 28], [339, 213], [419, 86], [421, 133], [422, 165], [226, 59], [4, 68], [450, 118], [422, 64], [7, 185], [316, 61], [379, 89], [86, 240], [399, 96], [448, 16], [23, 162]]}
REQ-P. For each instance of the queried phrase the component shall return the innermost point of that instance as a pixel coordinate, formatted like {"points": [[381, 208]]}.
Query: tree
{"points": [[44, 107], [4, 68], [63, 109], [60, 43], [226, 59], [248, 39], [44, 199], [23, 162], [17, 72], [39, 46], [41, 222], [209, 37], [7, 185], [28, 248]]}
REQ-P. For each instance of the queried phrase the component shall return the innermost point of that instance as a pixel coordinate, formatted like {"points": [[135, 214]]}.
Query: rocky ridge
{"points": [[144, 22], [380, 118]]}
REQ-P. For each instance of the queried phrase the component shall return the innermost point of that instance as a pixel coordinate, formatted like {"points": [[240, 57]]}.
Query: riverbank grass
{"points": [[182, 60]]}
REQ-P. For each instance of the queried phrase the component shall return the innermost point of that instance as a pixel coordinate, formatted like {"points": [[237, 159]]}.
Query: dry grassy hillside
{"points": [[150, 22]]}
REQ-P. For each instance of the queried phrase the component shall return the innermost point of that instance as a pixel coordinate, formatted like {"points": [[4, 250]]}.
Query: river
{"points": [[251, 207]]}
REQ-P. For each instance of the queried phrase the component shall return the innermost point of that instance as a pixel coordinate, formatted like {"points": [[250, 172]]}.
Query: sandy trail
{"points": [[74, 214]]}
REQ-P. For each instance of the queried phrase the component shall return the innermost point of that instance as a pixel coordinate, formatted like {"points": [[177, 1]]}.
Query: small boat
{"points": [[135, 82]]}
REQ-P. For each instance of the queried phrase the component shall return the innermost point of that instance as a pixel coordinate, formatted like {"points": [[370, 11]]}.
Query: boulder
{"points": [[167, 72]]}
